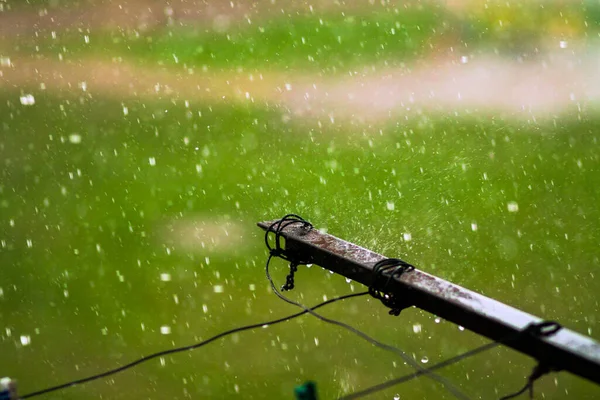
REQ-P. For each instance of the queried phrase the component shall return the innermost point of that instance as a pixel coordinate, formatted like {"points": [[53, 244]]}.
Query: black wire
{"points": [[279, 252], [185, 348], [544, 328], [410, 377]]}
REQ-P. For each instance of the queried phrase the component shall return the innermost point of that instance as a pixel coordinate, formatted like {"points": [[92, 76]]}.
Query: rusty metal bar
{"points": [[566, 350]]}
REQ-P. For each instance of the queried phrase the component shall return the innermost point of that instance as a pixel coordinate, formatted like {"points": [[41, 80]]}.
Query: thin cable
{"points": [[544, 328], [279, 252], [410, 377], [185, 348]]}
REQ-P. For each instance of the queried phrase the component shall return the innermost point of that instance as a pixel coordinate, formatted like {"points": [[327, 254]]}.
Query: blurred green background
{"points": [[127, 225]]}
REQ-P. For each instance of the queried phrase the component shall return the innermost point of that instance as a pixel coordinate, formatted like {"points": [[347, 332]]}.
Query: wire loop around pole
{"points": [[393, 301]]}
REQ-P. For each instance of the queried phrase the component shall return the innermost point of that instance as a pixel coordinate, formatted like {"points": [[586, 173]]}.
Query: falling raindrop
{"points": [[165, 329], [25, 340], [75, 138], [165, 277], [512, 206], [27, 100]]}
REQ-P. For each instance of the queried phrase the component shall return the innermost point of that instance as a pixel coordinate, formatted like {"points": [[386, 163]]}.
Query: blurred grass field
{"points": [[96, 193]]}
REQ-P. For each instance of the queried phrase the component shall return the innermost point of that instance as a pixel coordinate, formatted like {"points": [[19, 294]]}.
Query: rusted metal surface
{"points": [[566, 350]]}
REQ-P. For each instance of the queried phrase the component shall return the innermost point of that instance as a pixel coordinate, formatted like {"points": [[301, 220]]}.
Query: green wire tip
{"points": [[306, 391]]}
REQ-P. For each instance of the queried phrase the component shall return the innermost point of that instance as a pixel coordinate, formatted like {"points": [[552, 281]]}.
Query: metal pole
{"points": [[566, 350]]}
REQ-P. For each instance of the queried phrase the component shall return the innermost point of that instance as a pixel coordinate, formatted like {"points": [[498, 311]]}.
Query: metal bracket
{"points": [[565, 349]]}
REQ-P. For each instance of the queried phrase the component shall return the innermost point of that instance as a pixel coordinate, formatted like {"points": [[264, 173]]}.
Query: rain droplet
{"points": [[424, 360], [165, 329], [75, 138], [473, 226], [407, 237], [437, 320], [464, 59], [218, 288], [25, 340], [165, 277], [512, 206], [461, 328], [152, 161], [417, 328], [5, 62], [390, 205], [563, 44], [27, 100]]}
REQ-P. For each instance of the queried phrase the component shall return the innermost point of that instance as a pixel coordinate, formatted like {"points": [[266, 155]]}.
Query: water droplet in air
{"points": [[152, 161], [5, 62], [27, 100], [165, 277], [390, 205], [25, 340], [407, 237], [473, 226], [396, 397], [563, 44], [218, 288], [464, 59], [75, 138], [417, 328], [165, 329], [512, 206]]}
